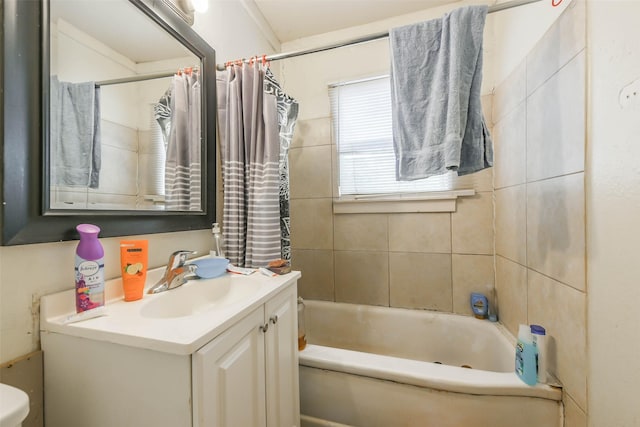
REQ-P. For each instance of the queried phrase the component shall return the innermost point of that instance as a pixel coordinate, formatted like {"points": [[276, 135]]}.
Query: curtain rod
{"points": [[137, 78], [370, 37]]}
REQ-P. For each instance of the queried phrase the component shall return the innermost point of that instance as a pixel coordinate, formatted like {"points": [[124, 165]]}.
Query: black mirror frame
{"points": [[24, 127]]}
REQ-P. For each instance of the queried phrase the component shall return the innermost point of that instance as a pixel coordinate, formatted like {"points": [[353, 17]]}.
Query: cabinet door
{"points": [[229, 377], [283, 396]]}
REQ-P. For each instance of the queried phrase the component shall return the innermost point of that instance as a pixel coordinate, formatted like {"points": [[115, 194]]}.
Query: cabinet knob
{"points": [[274, 319], [265, 327]]}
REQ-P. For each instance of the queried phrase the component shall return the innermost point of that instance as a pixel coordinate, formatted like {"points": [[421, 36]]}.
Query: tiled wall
{"points": [[539, 128], [411, 260], [118, 174]]}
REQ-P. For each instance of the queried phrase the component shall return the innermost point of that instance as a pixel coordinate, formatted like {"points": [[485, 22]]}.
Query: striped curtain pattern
{"points": [[250, 147], [183, 160]]}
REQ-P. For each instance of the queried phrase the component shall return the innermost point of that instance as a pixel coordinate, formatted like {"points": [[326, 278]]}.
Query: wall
{"points": [[413, 260], [27, 272], [540, 120], [613, 202]]}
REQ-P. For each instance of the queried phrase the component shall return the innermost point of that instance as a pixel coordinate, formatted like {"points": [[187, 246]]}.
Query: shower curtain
{"points": [[287, 114], [255, 117], [179, 114]]}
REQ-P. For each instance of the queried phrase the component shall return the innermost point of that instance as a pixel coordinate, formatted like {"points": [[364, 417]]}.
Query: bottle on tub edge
{"points": [[526, 356]]}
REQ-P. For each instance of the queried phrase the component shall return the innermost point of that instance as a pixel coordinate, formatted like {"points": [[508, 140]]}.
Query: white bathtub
{"points": [[377, 366]]}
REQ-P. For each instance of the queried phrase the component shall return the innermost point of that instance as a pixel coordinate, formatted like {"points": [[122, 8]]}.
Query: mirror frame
{"points": [[24, 126]]}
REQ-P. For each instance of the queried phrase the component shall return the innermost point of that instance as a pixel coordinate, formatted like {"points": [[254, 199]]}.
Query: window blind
{"points": [[361, 120]]}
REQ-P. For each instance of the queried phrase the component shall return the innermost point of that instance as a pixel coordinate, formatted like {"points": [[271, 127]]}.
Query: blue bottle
{"points": [[479, 305], [526, 356]]}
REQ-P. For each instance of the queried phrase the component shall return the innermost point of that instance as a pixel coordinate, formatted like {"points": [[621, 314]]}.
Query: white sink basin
{"points": [[14, 406], [197, 296], [178, 321]]}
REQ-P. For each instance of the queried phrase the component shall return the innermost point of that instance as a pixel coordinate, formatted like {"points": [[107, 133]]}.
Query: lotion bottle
{"points": [[218, 242], [89, 269], [539, 335], [526, 356]]}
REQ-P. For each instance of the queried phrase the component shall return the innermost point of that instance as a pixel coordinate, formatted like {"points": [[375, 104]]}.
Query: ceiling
{"points": [[137, 37], [293, 19], [141, 41]]}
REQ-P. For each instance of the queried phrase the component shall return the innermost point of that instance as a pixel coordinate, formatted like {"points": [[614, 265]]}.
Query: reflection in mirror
{"points": [[126, 113]]}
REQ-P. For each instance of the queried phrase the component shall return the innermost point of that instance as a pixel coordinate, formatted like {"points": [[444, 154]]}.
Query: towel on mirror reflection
{"points": [[436, 76], [75, 134]]}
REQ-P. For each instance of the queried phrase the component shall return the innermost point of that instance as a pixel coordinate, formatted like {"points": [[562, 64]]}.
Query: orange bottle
{"points": [[133, 264]]}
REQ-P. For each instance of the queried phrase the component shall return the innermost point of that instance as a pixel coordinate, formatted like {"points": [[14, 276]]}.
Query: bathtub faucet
{"points": [[176, 274]]}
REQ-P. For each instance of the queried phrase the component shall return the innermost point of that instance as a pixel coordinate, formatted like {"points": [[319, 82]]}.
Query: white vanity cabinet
{"points": [[248, 376], [234, 366]]}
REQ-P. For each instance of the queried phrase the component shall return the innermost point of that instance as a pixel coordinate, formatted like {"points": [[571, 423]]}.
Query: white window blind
{"points": [[361, 119]]}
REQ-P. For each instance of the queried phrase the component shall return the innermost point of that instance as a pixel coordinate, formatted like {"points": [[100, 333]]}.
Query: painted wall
{"points": [[613, 206], [27, 272]]}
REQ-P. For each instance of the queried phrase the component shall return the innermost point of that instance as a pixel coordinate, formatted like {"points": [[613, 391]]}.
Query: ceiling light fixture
{"points": [[200, 6]]}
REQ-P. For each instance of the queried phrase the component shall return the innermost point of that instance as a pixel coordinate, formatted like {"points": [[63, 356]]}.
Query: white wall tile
{"points": [[556, 229], [471, 273], [511, 223], [510, 93], [560, 43], [310, 171], [472, 225], [511, 293], [556, 123], [421, 281], [510, 148], [428, 232], [560, 309], [119, 172]]}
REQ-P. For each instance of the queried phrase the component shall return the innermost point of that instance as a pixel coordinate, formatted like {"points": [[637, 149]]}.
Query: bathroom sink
{"points": [[197, 296]]}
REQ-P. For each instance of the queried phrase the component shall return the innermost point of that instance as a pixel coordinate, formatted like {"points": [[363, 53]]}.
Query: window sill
{"points": [[410, 203]]}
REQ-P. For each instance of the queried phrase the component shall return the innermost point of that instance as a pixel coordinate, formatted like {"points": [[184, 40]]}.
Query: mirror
{"points": [[41, 206], [124, 111]]}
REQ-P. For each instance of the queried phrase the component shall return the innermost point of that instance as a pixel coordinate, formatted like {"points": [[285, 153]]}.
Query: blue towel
{"points": [[75, 134], [436, 74]]}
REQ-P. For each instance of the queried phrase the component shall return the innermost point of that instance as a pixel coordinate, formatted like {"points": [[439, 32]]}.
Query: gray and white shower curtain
{"points": [[256, 121], [287, 114], [179, 114]]}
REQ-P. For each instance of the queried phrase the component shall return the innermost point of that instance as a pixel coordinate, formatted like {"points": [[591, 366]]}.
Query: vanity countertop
{"points": [[142, 323]]}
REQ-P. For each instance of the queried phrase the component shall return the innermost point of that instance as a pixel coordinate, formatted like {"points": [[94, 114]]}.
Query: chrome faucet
{"points": [[176, 274]]}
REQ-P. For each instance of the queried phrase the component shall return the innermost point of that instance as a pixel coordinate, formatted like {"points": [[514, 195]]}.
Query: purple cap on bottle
{"points": [[538, 330], [89, 247]]}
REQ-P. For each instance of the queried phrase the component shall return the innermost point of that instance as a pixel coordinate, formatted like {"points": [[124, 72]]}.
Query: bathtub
{"points": [[378, 366]]}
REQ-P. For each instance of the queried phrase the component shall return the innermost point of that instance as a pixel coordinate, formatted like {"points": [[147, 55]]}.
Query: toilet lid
{"points": [[14, 405]]}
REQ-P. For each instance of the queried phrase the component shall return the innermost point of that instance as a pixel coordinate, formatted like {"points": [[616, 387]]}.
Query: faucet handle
{"points": [[181, 275], [178, 258]]}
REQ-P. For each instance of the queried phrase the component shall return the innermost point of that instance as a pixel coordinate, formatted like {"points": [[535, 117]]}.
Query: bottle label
{"points": [[519, 359], [89, 284]]}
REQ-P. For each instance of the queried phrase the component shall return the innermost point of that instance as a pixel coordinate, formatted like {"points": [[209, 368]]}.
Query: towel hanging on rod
{"points": [[371, 37]]}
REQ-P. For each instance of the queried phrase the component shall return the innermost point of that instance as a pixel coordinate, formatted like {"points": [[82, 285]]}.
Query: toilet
{"points": [[14, 406]]}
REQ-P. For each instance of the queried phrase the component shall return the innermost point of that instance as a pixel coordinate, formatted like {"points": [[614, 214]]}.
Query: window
{"points": [[361, 119]]}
